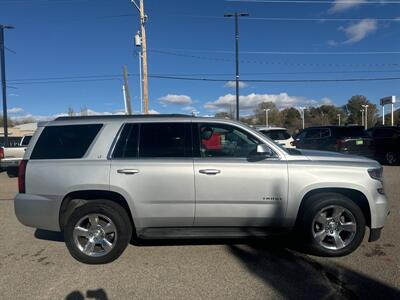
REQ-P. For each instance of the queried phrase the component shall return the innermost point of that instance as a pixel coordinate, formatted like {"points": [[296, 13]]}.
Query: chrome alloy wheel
{"points": [[334, 227], [95, 235]]}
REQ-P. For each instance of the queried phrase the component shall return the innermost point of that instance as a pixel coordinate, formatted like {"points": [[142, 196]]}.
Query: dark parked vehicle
{"points": [[347, 139], [387, 144]]}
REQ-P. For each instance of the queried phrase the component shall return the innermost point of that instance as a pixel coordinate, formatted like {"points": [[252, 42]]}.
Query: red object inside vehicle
{"points": [[213, 143]]}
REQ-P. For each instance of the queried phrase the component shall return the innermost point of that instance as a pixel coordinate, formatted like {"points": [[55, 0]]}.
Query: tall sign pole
{"points": [[384, 101], [127, 95], [3, 81], [236, 15]]}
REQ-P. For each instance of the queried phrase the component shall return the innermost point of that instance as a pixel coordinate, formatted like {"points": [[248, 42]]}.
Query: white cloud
{"points": [[232, 84], [153, 112], [252, 100], [15, 110], [332, 43], [358, 31], [40, 118], [343, 5], [175, 99]]}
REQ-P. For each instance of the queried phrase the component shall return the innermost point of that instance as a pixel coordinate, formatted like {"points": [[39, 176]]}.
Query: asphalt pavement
{"points": [[35, 264]]}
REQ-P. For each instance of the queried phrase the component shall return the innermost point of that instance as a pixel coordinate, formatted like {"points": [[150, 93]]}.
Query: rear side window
{"points": [[63, 142], [127, 145], [277, 134], [351, 131], [165, 140], [25, 140]]}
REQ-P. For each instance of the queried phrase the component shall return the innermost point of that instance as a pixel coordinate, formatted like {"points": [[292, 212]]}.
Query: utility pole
{"points": [[236, 15], [339, 119], [143, 20], [127, 96], [3, 81]]}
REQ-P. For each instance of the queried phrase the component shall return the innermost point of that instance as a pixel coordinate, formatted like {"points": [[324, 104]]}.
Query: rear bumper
{"points": [[5, 163], [38, 211]]}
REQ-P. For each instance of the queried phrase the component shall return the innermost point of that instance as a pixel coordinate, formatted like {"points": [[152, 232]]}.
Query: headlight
{"points": [[376, 173]]}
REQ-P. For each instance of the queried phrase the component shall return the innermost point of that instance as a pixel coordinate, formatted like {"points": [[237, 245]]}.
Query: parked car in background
{"points": [[279, 135], [347, 139], [387, 144], [10, 157], [103, 179]]}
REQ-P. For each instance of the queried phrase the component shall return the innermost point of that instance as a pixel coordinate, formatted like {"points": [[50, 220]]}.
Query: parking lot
{"points": [[35, 264]]}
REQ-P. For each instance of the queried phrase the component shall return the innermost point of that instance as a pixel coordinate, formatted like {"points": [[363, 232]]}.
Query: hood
{"points": [[316, 155]]}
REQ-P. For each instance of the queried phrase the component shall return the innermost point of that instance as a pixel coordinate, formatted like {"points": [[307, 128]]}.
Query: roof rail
{"points": [[123, 117]]}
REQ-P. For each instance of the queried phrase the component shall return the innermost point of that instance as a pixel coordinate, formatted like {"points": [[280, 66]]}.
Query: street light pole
{"points": [[236, 15], [338, 118], [362, 117], [3, 81], [266, 116], [366, 115]]}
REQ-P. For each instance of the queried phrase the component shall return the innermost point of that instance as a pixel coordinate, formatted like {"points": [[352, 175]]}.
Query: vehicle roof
{"points": [[334, 126], [127, 118], [270, 128]]}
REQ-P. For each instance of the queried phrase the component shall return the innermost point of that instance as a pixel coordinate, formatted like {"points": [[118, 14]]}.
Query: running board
{"points": [[207, 232]]}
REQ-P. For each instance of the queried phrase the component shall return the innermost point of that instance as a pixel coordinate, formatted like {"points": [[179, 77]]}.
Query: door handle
{"points": [[128, 171], [210, 171]]}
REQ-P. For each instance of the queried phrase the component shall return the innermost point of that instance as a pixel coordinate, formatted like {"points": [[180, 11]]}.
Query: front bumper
{"points": [[38, 211]]}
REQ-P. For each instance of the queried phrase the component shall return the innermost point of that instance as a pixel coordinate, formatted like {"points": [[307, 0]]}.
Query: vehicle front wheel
{"points": [[392, 158], [333, 225], [97, 232]]}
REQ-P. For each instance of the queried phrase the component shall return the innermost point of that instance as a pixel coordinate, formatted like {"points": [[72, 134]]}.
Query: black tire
{"points": [[109, 209], [392, 158], [316, 204]]}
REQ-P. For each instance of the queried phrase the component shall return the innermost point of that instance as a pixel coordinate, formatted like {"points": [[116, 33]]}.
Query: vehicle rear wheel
{"points": [[392, 158], [333, 225], [97, 232]]}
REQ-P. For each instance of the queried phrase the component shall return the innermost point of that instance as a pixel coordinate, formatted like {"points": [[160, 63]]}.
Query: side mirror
{"points": [[265, 151]]}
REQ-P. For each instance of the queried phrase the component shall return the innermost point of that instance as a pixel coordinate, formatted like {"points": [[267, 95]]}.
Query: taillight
{"points": [[1, 153], [339, 144], [21, 176]]}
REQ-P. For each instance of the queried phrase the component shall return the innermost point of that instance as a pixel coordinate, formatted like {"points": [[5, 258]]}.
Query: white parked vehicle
{"points": [[279, 135], [11, 156]]}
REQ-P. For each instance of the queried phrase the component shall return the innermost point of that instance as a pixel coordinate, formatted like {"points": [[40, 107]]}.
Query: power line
{"points": [[278, 80], [284, 18], [316, 1], [279, 63], [185, 78], [216, 51]]}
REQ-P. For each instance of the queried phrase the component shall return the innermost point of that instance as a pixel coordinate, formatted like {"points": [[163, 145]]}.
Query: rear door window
{"points": [[63, 142], [165, 140]]}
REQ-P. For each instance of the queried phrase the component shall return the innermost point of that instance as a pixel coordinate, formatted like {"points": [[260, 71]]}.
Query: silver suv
{"points": [[104, 180]]}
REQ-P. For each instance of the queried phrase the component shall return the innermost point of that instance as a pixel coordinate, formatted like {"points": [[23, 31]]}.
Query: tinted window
{"points": [[384, 133], [25, 140], [276, 134], [127, 145], [325, 132], [351, 131], [71, 141], [219, 140], [164, 140], [313, 134]]}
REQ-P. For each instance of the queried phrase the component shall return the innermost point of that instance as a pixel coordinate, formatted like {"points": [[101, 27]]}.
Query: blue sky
{"points": [[61, 38]]}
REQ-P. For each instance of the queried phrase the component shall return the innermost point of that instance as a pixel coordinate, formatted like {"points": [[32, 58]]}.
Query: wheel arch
{"points": [[77, 198], [354, 195]]}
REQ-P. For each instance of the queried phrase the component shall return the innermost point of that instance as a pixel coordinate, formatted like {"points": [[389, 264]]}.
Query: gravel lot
{"points": [[35, 264]]}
